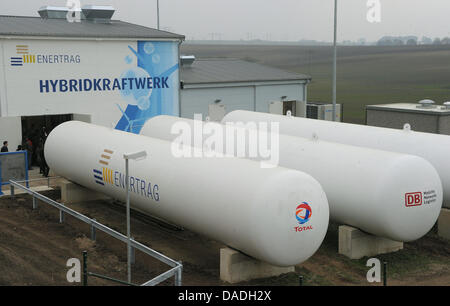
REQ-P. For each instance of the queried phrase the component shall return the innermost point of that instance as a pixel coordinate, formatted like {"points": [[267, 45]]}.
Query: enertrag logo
{"points": [[23, 56], [105, 175]]}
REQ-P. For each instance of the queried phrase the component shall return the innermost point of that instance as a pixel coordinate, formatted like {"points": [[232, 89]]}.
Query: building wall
{"points": [[444, 125], [428, 123], [3, 106], [10, 130], [197, 101], [245, 97], [97, 78], [268, 93]]}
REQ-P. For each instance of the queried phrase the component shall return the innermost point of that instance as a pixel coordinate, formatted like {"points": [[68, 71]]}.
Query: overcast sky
{"points": [[270, 19]]}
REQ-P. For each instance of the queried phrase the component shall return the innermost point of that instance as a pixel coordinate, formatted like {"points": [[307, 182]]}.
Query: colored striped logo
{"points": [[31, 59], [98, 176], [25, 57], [106, 175], [105, 157], [16, 61], [22, 49]]}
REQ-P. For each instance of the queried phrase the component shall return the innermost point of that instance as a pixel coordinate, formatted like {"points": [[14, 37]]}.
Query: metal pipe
{"points": [[128, 221], [178, 275], [157, 10], [384, 273], [85, 271], [110, 279], [133, 254], [34, 203], [93, 232], [334, 60], [162, 277], [61, 215]]}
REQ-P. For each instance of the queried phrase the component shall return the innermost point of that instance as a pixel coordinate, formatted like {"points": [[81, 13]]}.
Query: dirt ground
{"points": [[34, 249]]}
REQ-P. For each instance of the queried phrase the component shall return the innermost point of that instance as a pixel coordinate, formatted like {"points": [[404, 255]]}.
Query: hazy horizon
{"points": [[280, 20]]}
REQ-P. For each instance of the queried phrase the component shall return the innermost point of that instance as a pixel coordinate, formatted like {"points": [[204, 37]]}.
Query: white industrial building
{"points": [[213, 87], [99, 70]]}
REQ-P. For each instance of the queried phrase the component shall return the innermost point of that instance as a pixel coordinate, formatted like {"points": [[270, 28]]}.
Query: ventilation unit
{"points": [[323, 111], [55, 12], [98, 13]]}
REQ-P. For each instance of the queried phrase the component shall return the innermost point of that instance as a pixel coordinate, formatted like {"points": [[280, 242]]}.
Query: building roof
{"points": [[210, 71], [36, 26], [410, 108]]}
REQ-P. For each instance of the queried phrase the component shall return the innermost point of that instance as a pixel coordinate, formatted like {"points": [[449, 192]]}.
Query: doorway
{"points": [[36, 128]]}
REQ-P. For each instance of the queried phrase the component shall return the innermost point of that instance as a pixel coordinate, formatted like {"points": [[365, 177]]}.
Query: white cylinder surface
{"points": [[373, 190], [433, 147], [257, 211]]}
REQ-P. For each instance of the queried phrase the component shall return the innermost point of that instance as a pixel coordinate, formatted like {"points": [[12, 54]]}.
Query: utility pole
{"points": [[134, 156], [334, 60], [157, 10]]}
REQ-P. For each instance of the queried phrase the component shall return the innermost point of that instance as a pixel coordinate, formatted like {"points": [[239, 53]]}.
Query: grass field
{"points": [[366, 74]]}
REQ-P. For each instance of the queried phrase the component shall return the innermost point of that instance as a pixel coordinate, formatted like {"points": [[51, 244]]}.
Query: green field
{"points": [[366, 74]]}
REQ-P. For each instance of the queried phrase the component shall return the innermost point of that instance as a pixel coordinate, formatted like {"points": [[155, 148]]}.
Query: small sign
{"points": [[413, 199]]}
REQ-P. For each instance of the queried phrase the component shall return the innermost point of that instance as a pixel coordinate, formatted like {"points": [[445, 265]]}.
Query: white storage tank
{"points": [[276, 215], [433, 147], [370, 189]]}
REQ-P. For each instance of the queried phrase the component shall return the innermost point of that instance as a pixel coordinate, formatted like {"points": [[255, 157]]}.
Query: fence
{"points": [[177, 267]]}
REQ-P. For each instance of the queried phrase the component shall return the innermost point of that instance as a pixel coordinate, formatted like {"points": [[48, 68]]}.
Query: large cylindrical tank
{"points": [[276, 215], [369, 189], [433, 147]]}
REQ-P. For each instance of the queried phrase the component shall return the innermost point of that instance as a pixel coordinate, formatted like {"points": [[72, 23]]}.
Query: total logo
{"points": [[303, 214]]}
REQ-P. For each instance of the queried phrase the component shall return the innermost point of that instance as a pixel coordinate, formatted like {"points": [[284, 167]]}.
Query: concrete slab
{"points": [[237, 267], [356, 244], [444, 223], [74, 193], [17, 191]]}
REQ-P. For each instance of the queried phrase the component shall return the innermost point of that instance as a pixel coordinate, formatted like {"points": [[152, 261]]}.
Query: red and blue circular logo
{"points": [[303, 213]]}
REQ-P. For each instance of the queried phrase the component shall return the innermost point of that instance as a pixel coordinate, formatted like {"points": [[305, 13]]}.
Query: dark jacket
{"points": [[5, 149]]}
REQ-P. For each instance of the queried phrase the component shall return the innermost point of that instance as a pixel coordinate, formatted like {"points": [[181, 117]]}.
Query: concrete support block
{"points": [[356, 244], [74, 193], [236, 267], [444, 223]]}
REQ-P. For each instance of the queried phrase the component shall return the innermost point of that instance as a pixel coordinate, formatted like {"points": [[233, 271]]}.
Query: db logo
{"points": [[413, 199]]}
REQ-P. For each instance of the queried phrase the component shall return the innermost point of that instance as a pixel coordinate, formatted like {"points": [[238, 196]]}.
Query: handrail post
{"points": [[93, 231], [132, 253], [85, 269], [34, 202], [61, 215], [178, 275]]}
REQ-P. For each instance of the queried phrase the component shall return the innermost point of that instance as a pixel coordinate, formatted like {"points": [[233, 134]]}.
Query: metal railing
{"points": [[177, 267]]}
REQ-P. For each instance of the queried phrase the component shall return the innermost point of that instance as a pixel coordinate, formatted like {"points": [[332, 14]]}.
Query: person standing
{"points": [[5, 147], [44, 133], [28, 146]]}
